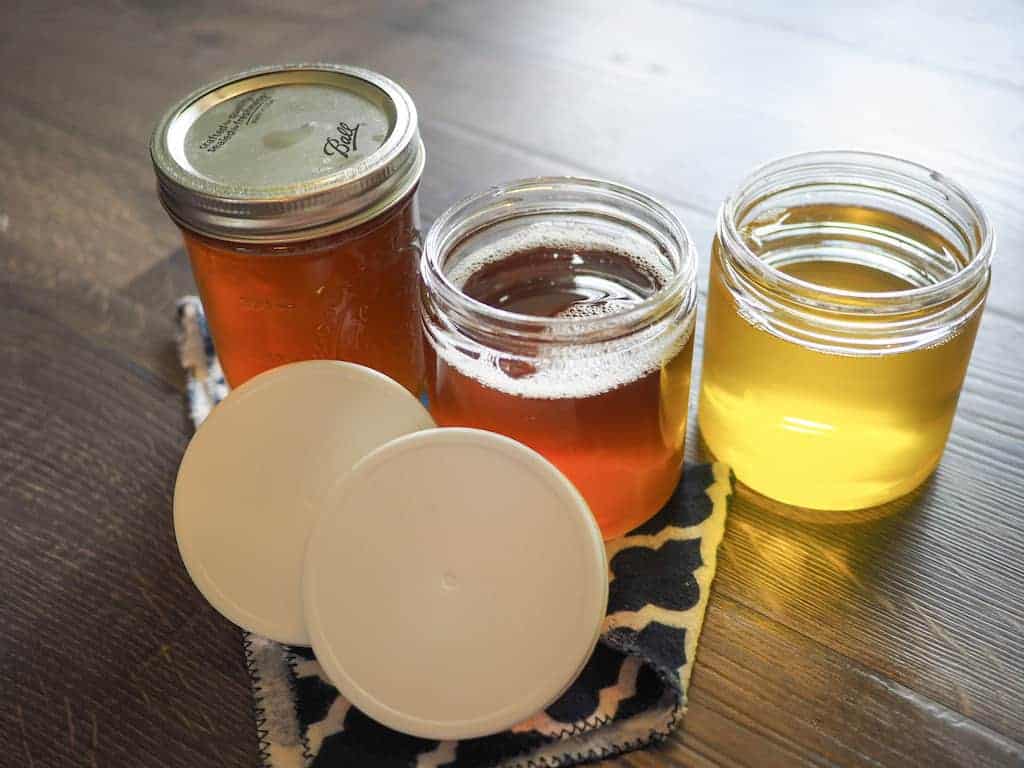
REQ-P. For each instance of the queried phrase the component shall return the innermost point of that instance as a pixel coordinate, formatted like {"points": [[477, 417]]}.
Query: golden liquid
{"points": [[347, 296], [622, 445], [820, 430]]}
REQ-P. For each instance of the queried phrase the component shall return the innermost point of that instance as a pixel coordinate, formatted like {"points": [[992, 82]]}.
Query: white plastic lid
{"points": [[455, 585], [257, 475]]}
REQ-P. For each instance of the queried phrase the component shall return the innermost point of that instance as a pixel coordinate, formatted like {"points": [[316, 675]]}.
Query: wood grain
{"points": [[110, 657], [894, 642]]}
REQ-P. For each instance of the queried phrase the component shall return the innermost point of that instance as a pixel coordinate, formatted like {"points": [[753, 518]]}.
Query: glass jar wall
{"points": [[844, 296], [560, 312]]}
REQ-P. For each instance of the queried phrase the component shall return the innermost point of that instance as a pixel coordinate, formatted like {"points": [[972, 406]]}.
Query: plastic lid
{"points": [[456, 584], [258, 473], [287, 152]]}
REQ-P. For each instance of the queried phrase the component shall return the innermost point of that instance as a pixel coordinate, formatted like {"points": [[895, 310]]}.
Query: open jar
{"points": [[560, 312], [845, 292], [295, 190]]}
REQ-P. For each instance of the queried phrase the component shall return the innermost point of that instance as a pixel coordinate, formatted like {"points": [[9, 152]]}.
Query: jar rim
{"points": [[918, 182], [473, 214]]}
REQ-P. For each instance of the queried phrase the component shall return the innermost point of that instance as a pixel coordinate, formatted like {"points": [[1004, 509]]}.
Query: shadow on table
{"points": [[783, 555]]}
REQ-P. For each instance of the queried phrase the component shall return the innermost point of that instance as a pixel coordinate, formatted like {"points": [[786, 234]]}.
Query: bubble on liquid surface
{"points": [[586, 273]]}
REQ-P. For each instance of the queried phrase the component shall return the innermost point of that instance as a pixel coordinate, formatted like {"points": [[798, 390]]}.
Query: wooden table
{"points": [[892, 643]]}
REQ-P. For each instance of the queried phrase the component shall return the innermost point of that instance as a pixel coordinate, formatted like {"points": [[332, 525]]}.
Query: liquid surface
{"points": [[819, 430], [861, 246], [846, 276], [613, 422], [346, 297], [565, 282]]}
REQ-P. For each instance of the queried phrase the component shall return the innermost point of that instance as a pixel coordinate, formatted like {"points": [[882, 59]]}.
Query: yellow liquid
{"points": [[820, 430]]}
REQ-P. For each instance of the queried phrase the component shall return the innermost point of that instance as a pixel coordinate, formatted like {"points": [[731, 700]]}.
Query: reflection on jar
{"points": [[349, 296]]}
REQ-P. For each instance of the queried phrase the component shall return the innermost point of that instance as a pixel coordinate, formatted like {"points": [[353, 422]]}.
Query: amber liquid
{"points": [[820, 430], [350, 296], [622, 446]]}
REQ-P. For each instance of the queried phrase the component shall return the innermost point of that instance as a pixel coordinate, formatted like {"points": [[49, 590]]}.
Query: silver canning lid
{"points": [[287, 153]]}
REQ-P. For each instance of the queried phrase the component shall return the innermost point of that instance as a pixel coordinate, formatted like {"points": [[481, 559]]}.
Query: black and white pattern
{"points": [[631, 693]]}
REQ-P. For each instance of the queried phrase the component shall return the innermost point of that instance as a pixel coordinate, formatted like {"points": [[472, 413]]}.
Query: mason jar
{"points": [[295, 191], [560, 312], [845, 292]]}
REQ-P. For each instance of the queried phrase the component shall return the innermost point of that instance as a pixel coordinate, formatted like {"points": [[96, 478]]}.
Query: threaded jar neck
{"points": [[941, 249], [610, 214]]}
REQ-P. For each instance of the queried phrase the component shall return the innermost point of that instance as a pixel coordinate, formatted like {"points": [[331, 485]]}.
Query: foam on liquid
{"points": [[634, 269]]}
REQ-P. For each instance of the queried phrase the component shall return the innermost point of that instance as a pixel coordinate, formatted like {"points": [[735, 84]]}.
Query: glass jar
{"points": [[295, 190], [560, 312], [845, 293]]}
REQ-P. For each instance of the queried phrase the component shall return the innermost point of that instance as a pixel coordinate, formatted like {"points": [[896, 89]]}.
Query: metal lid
{"points": [[287, 152], [455, 584]]}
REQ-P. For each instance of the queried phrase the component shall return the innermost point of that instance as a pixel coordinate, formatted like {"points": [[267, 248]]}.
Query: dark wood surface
{"points": [[897, 642]]}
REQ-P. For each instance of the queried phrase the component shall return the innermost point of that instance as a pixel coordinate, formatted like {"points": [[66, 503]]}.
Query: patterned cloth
{"points": [[631, 693]]}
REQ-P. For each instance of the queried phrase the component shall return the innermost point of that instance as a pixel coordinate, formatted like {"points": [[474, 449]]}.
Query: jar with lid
{"points": [[295, 191]]}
